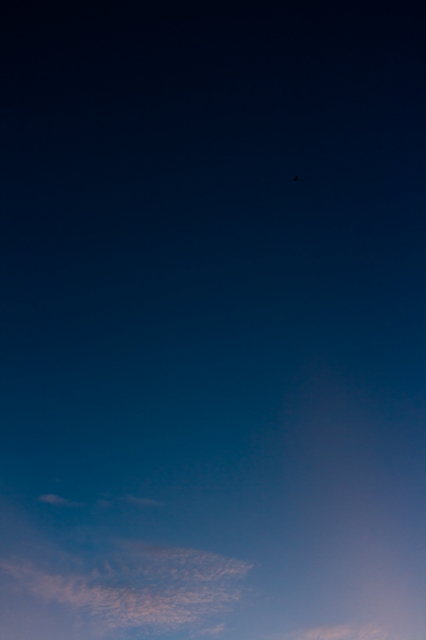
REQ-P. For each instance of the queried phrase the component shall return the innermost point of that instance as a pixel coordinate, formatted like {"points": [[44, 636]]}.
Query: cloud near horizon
{"points": [[340, 632], [137, 586]]}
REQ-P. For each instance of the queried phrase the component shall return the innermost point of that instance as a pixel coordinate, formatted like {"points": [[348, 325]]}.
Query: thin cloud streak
{"points": [[340, 632], [130, 500], [51, 498], [212, 631]]}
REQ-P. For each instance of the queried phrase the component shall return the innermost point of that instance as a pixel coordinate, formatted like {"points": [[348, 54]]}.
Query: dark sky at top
{"points": [[188, 333]]}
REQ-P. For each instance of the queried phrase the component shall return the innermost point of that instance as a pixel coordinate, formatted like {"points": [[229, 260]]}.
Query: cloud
{"points": [[212, 631], [341, 632], [131, 500], [138, 586], [51, 498]]}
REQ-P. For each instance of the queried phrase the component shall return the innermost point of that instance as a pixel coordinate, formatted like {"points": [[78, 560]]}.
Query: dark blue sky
{"points": [[212, 377]]}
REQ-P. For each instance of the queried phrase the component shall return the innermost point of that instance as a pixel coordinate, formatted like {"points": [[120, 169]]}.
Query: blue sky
{"points": [[212, 376]]}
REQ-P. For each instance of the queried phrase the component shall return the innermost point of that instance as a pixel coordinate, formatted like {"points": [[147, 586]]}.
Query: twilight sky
{"points": [[212, 377]]}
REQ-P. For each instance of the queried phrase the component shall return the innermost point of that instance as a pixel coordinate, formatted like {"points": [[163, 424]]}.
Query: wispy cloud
{"points": [[341, 632], [138, 586], [51, 498], [129, 499], [212, 631], [59, 501]]}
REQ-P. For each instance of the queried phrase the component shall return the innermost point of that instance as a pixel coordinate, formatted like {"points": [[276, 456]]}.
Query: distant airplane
{"points": [[296, 178]]}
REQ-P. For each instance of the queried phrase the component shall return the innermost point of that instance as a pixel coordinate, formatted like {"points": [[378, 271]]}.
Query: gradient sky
{"points": [[212, 377]]}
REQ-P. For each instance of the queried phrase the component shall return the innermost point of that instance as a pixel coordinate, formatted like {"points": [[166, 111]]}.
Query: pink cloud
{"points": [[341, 632], [157, 589], [328, 633]]}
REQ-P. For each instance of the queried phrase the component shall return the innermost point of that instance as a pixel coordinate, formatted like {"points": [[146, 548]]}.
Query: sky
{"points": [[212, 376]]}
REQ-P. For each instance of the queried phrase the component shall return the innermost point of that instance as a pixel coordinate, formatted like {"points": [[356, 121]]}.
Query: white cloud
{"points": [[51, 498]]}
